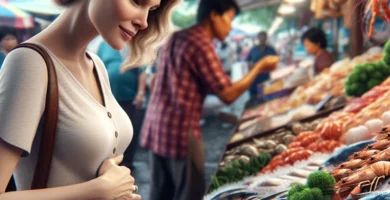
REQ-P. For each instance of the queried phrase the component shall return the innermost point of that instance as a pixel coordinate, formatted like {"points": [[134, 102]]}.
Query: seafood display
{"points": [[350, 144], [272, 144], [365, 170]]}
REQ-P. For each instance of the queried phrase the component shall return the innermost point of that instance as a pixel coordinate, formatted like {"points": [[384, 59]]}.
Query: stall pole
{"points": [[356, 33]]}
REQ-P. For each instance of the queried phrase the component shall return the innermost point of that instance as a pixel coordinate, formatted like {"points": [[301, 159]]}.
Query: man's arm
{"points": [[230, 94], [139, 98]]}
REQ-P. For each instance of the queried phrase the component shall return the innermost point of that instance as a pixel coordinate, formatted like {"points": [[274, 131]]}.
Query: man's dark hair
{"points": [[5, 30], [219, 6], [262, 33], [317, 36]]}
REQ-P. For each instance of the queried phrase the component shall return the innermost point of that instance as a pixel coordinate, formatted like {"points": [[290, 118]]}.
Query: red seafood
{"points": [[288, 152], [326, 146], [330, 130], [299, 155], [294, 144], [309, 140], [303, 135]]}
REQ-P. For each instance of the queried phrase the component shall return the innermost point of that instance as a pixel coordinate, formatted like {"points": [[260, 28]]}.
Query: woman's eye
{"points": [[136, 1]]}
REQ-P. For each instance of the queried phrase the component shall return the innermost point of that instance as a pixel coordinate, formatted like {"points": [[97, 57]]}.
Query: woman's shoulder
{"points": [[25, 61]]}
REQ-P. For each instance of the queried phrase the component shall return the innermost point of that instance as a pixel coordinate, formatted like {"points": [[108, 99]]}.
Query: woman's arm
{"points": [[114, 183]]}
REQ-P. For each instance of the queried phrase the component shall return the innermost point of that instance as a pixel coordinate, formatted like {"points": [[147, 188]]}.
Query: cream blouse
{"points": [[87, 133]]}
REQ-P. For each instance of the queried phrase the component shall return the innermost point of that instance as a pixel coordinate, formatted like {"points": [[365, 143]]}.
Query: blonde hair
{"points": [[143, 47]]}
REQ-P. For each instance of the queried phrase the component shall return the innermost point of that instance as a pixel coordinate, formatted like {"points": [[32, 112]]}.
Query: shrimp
{"points": [[382, 156], [364, 154], [366, 176], [353, 164], [380, 145]]}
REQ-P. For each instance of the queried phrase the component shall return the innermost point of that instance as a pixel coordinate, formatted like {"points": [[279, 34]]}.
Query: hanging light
{"points": [[275, 25], [286, 9], [294, 1]]}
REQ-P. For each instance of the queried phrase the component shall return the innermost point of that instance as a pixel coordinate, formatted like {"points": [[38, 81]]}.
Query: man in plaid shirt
{"points": [[187, 70]]}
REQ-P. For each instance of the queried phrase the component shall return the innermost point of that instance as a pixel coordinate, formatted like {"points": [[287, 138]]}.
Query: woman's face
{"points": [[311, 48], [118, 21]]}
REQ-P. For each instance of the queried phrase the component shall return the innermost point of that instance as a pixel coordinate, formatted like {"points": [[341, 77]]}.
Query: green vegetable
{"points": [[353, 77], [386, 48], [328, 197], [296, 196], [377, 75], [369, 67], [363, 77], [238, 170], [373, 82], [317, 193], [295, 189], [323, 181], [366, 76]]}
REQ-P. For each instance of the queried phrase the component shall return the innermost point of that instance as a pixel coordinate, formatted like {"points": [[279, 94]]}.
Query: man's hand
{"points": [[138, 100], [268, 63]]}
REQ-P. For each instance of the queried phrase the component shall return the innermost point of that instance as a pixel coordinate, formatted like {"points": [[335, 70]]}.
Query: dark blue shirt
{"points": [[124, 86], [2, 58], [255, 55]]}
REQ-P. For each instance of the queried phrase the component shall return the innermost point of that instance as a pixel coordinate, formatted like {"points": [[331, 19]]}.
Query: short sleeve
{"points": [[23, 87], [210, 71]]}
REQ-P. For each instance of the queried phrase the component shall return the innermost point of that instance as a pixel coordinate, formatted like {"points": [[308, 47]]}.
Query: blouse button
{"points": [[113, 151], [116, 134], [109, 115]]}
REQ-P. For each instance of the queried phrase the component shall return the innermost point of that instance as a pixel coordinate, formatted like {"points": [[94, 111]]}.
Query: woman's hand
{"points": [[117, 183]]}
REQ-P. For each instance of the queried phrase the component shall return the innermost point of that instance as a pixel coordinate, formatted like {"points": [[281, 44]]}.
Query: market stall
{"points": [[270, 163], [327, 138]]}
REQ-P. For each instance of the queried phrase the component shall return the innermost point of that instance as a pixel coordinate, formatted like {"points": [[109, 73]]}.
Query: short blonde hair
{"points": [[143, 47]]}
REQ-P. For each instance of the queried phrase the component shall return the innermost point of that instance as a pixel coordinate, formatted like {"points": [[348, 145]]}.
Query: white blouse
{"points": [[87, 133]]}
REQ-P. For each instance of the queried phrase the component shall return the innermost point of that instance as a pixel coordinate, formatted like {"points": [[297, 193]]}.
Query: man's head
{"points": [[262, 38], [8, 38], [219, 14], [314, 40]]}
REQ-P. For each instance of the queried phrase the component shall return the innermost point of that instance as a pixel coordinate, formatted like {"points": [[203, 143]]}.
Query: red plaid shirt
{"points": [[187, 71]]}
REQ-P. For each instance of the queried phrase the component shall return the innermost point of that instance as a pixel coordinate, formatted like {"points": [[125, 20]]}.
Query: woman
{"points": [[315, 44], [93, 131]]}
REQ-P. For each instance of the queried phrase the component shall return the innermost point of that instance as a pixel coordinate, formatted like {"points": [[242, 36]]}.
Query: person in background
{"points": [[189, 69], [257, 53], [128, 89], [227, 57], [315, 44], [8, 41]]}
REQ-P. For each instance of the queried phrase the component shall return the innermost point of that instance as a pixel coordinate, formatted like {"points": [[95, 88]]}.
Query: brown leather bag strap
{"points": [[46, 148]]}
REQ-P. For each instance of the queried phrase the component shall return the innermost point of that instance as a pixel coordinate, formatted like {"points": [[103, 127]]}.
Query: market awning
{"points": [[42, 7], [14, 17], [256, 4]]}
